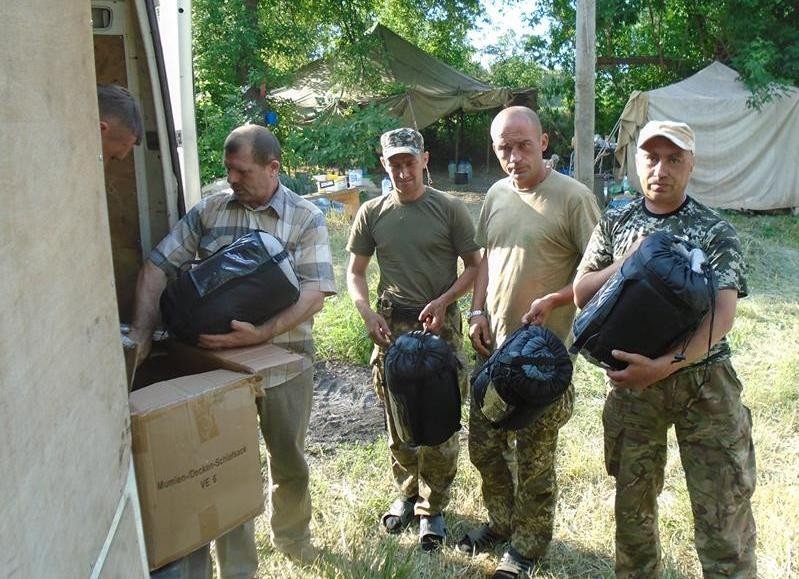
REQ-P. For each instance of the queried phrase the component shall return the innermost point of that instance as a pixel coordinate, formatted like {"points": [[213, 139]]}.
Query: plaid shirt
{"points": [[218, 220]]}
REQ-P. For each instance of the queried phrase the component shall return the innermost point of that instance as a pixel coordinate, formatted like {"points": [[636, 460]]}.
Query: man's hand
{"points": [[433, 316], [641, 371], [480, 335], [378, 329], [242, 334], [144, 344], [540, 309]]}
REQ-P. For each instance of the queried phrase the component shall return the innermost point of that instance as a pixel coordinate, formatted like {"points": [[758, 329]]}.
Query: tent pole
{"points": [[460, 135], [457, 147]]}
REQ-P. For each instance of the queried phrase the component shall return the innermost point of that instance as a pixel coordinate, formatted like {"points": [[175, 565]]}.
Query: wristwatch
{"points": [[474, 313]]}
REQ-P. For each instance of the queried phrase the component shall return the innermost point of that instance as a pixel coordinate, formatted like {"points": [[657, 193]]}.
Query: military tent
{"points": [[431, 88], [745, 158]]}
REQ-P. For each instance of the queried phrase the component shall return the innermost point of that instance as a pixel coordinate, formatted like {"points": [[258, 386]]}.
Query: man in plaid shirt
{"points": [[258, 202]]}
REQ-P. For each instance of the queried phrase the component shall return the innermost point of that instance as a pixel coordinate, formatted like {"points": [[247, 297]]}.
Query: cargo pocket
{"points": [[613, 424]]}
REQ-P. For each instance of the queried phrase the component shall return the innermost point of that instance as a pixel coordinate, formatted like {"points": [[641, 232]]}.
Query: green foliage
{"points": [[300, 183], [352, 485], [760, 39], [437, 27], [214, 123], [342, 139], [339, 331], [244, 48]]}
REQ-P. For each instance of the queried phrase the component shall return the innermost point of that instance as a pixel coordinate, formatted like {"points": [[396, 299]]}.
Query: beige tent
{"points": [[432, 89], [745, 158]]}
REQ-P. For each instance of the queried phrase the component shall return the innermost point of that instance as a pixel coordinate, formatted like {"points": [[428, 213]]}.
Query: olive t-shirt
{"points": [[535, 240], [417, 244]]}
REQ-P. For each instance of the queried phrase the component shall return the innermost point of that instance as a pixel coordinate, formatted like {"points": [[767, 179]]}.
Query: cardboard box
{"points": [[195, 447], [195, 442], [256, 360]]}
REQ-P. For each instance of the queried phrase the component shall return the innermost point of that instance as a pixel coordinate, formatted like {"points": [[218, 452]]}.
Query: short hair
{"points": [[263, 144], [517, 110], [115, 102]]}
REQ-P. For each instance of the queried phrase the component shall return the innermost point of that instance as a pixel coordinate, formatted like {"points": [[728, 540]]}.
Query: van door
{"points": [[143, 191]]}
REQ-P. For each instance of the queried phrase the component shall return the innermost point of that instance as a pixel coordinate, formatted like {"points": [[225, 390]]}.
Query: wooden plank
{"points": [[350, 198]]}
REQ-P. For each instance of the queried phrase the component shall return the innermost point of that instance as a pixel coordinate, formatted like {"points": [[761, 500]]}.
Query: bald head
{"points": [[519, 144], [516, 114], [263, 145]]}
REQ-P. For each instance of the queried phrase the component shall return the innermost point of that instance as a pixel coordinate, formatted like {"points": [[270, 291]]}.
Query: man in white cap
{"points": [[417, 234], [695, 390]]}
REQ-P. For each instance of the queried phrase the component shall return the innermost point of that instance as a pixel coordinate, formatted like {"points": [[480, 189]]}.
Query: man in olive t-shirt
{"points": [[534, 226], [417, 234]]}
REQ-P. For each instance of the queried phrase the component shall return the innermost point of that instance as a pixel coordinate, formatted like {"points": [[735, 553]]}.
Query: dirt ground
{"points": [[346, 408]]}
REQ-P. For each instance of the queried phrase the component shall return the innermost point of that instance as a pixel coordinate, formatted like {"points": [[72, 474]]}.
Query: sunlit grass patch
{"points": [[352, 485]]}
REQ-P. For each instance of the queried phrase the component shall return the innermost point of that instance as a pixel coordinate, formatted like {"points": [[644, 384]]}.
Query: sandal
{"points": [[512, 565], [480, 540], [432, 532], [399, 515]]}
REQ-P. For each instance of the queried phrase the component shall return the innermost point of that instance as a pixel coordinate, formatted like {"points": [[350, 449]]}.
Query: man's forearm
{"points": [[465, 280], [149, 285], [309, 303], [359, 293], [587, 284], [563, 296], [722, 321], [480, 289]]}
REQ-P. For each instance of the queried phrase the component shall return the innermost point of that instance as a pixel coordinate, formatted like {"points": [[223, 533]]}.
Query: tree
{"points": [[244, 48], [643, 44]]}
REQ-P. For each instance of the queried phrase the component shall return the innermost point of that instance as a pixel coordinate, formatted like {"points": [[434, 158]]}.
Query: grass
{"points": [[352, 487]]}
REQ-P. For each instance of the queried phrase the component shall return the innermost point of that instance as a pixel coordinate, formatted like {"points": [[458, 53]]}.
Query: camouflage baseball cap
{"points": [[678, 133], [404, 140]]}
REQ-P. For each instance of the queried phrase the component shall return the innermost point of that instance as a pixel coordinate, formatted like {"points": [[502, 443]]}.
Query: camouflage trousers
{"points": [[425, 472], [518, 475], [714, 431]]}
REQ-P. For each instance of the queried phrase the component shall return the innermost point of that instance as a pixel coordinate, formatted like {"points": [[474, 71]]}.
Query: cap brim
{"points": [[676, 140], [397, 150]]}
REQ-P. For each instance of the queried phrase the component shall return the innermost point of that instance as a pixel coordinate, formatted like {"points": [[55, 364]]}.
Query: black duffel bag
{"points": [[249, 280], [422, 391], [657, 299], [522, 378]]}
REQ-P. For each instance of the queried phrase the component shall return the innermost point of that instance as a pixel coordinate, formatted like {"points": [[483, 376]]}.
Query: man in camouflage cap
{"points": [[699, 394], [417, 234]]}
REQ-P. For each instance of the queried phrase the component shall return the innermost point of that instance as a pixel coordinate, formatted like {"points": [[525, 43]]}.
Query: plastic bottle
{"points": [[468, 171], [451, 166], [625, 185], [386, 185]]}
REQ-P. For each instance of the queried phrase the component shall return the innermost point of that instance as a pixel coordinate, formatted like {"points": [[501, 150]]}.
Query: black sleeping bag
{"points": [[422, 391], [657, 299], [249, 280], [522, 378]]}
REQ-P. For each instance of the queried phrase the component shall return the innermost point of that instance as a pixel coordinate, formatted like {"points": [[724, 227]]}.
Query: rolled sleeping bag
{"points": [[249, 280], [654, 301], [422, 388], [522, 378]]}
